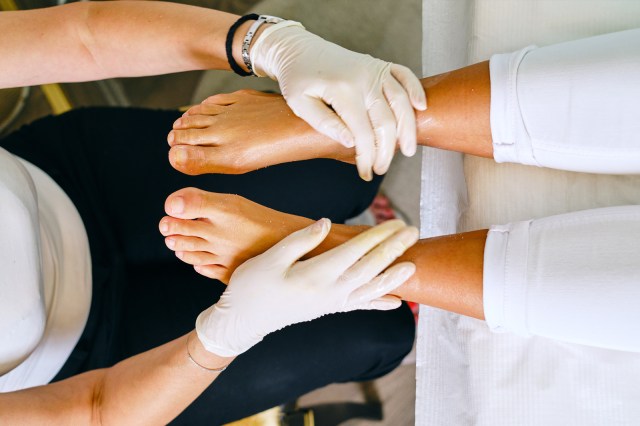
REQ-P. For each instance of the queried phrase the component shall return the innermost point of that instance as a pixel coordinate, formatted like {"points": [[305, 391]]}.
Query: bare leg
{"points": [[229, 229], [248, 130]]}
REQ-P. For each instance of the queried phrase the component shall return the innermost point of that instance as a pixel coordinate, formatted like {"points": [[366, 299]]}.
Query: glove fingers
{"points": [[384, 303], [345, 255], [319, 116], [380, 257], [296, 245], [383, 284], [355, 116], [411, 84], [384, 127], [405, 117]]}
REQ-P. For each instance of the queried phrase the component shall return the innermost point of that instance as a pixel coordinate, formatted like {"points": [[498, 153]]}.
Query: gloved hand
{"points": [[353, 98], [274, 289]]}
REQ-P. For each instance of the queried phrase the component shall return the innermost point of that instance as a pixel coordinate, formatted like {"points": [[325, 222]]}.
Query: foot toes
{"points": [[189, 160], [192, 203], [188, 228], [182, 243], [221, 99], [197, 258], [197, 160], [194, 122], [191, 137], [205, 108], [216, 272]]}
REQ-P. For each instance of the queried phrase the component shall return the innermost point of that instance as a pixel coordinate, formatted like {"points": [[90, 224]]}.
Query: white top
{"points": [[45, 279], [467, 374]]}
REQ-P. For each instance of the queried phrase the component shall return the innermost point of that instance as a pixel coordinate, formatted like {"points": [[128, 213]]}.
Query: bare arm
{"points": [[97, 40], [150, 388]]}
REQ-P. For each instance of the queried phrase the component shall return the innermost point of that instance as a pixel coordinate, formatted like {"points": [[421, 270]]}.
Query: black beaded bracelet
{"points": [[229, 44]]}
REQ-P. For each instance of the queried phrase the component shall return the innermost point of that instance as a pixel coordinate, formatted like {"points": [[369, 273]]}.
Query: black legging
{"points": [[113, 165]]}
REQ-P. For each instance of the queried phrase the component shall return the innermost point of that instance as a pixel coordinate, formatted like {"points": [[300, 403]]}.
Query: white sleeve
{"points": [[572, 277], [571, 106]]}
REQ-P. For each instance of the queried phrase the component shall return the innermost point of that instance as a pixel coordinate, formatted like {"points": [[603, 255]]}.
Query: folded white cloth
{"points": [[569, 106], [573, 277]]}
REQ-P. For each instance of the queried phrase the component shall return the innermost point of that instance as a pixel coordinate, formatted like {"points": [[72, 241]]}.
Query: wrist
{"points": [[204, 358], [223, 333], [238, 38], [267, 49], [242, 36], [259, 34]]}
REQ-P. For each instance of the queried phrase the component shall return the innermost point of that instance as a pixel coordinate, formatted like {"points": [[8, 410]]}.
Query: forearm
{"points": [[157, 385], [150, 388], [97, 40]]}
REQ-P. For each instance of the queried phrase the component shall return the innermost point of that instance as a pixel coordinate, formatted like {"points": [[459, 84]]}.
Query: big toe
{"points": [[189, 203], [197, 160]]}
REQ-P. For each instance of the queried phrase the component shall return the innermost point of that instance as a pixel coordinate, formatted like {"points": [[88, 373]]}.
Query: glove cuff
{"points": [[261, 54], [218, 335]]}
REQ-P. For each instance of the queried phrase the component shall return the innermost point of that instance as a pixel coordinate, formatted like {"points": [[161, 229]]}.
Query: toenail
{"points": [[177, 205], [177, 123], [180, 156], [171, 243], [179, 254], [164, 227], [170, 137]]}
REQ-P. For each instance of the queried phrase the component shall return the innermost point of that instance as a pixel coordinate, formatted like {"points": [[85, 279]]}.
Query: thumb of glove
{"points": [[296, 245]]}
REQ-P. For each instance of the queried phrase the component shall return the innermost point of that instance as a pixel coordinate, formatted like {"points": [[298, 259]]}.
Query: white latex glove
{"points": [[353, 98], [274, 289]]}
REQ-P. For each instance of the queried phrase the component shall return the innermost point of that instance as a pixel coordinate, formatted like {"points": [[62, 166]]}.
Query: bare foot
{"points": [[218, 232], [244, 131]]}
